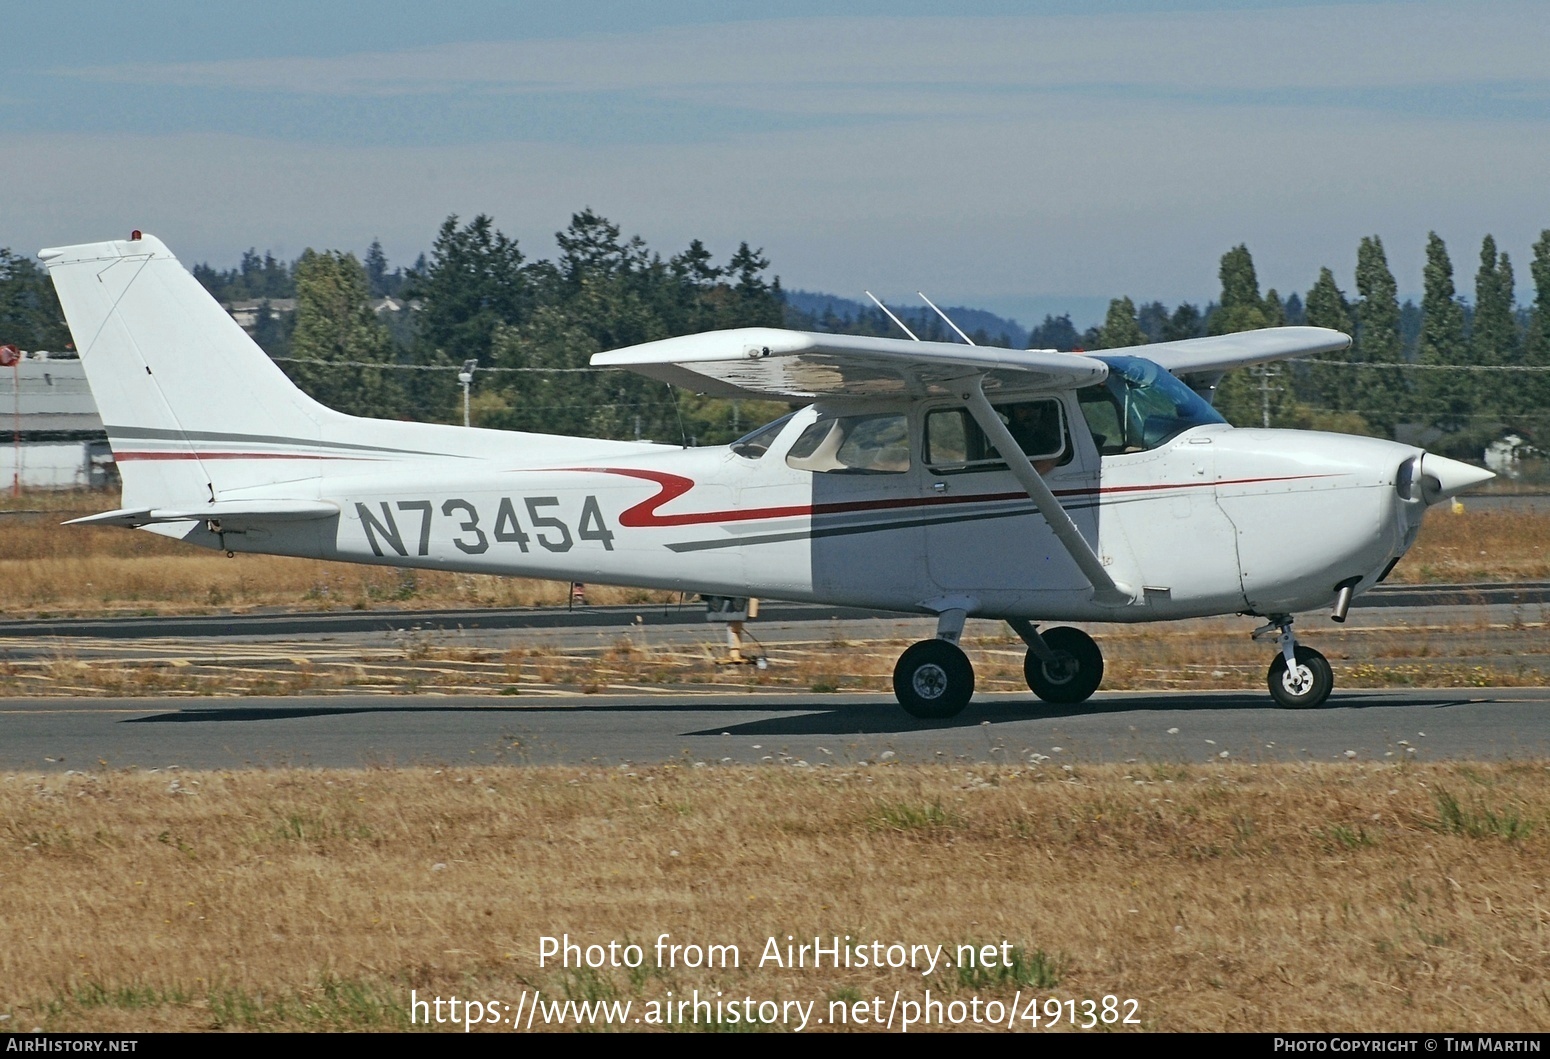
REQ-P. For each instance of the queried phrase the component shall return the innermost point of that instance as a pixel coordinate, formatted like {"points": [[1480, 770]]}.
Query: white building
{"points": [[50, 434]]}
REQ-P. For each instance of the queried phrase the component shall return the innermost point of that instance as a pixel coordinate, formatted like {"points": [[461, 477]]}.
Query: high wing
{"points": [[1221, 353], [769, 362]]}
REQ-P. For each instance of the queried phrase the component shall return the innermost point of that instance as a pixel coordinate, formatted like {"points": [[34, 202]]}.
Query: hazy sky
{"points": [[1021, 156]]}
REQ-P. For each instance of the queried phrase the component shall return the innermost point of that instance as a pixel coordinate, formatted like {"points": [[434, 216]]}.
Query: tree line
{"points": [[528, 328], [1463, 369]]}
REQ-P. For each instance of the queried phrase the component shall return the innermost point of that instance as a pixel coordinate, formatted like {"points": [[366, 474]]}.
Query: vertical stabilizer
{"points": [[176, 380]]}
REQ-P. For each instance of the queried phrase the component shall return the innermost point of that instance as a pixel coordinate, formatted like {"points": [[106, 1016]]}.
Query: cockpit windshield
{"points": [[1140, 407], [755, 444]]}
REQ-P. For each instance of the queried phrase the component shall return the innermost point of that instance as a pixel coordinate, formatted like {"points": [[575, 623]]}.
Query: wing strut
{"points": [[1106, 591], [913, 336]]}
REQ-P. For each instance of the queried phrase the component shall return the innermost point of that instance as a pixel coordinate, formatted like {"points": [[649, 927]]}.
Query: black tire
{"points": [[1074, 675], [1311, 686], [933, 680]]}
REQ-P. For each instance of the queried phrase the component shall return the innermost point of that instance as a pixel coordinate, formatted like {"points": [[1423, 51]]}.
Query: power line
{"points": [[1404, 366], [393, 365]]}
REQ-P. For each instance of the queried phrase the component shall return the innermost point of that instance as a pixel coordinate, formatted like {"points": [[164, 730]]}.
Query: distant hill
{"points": [[813, 311]]}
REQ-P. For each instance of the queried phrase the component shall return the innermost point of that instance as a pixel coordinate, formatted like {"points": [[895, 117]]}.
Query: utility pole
{"points": [[466, 376], [11, 357], [1266, 373]]}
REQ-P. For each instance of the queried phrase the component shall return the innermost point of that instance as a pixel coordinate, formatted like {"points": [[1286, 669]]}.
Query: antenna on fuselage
{"points": [[944, 316], [892, 317]]}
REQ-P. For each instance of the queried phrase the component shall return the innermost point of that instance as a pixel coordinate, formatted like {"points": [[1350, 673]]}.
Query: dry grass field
{"points": [[1232, 897], [54, 571], [1313, 897]]}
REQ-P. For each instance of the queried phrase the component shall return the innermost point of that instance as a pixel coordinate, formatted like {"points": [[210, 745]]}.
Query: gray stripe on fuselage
{"points": [[872, 527], [159, 434]]}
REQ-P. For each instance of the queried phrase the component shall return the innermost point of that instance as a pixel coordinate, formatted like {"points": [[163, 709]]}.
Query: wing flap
{"points": [[769, 362]]}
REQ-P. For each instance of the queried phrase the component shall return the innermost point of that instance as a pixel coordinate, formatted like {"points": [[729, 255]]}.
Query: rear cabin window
{"points": [[955, 443], [877, 444]]}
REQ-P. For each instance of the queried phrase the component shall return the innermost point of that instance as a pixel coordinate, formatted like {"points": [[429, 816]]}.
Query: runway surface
{"points": [[797, 729], [227, 626]]}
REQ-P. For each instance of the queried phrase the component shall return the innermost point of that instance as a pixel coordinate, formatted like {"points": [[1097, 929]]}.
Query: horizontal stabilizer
{"points": [[237, 512], [769, 362]]}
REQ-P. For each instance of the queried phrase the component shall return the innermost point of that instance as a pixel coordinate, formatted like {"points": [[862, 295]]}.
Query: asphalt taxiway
{"points": [[794, 729]]}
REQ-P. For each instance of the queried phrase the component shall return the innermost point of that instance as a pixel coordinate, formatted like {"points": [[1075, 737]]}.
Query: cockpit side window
{"points": [[1140, 407], [875, 444]]}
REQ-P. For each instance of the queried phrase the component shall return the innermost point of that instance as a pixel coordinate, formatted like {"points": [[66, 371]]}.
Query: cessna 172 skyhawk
{"points": [[924, 477]]}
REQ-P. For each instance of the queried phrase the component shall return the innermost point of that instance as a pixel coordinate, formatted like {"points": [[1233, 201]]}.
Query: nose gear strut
{"points": [[1299, 677]]}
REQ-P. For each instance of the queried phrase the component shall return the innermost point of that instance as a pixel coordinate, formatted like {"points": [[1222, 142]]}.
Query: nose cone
{"points": [[1442, 478]]}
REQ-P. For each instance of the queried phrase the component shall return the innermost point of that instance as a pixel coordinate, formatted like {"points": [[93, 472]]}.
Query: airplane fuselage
{"points": [[1218, 520]]}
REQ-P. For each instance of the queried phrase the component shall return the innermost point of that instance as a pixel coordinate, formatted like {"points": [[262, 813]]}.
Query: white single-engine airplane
{"points": [[925, 477]]}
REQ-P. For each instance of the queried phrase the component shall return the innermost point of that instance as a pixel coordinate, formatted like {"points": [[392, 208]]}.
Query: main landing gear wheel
{"points": [[1304, 687], [1075, 672], [933, 680]]}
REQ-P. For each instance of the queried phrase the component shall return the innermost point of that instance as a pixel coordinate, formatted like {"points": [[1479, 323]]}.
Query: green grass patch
{"points": [[1477, 822]]}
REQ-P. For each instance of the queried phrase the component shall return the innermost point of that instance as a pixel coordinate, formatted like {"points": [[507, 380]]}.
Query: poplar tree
{"points": [[1380, 392], [1238, 397], [1536, 346], [1447, 395], [1326, 306], [1494, 339], [1242, 309]]}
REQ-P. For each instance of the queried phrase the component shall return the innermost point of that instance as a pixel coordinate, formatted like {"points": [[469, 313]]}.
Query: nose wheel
{"points": [[1299, 677], [933, 680], [1304, 685]]}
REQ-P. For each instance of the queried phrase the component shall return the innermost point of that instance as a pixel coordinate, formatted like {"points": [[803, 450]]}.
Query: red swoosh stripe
{"points": [[673, 486]]}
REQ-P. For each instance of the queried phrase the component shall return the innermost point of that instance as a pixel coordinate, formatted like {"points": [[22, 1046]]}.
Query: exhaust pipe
{"points": [[1343, 594]]}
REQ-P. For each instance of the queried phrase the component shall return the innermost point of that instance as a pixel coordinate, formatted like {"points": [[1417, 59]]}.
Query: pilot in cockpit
{"points": [[1035, 426]]}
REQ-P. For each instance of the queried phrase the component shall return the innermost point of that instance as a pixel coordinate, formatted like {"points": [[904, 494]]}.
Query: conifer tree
{"points": [[335, 332], [1120, 327], [1275, 311], [1186, 322], [30, 316]]}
